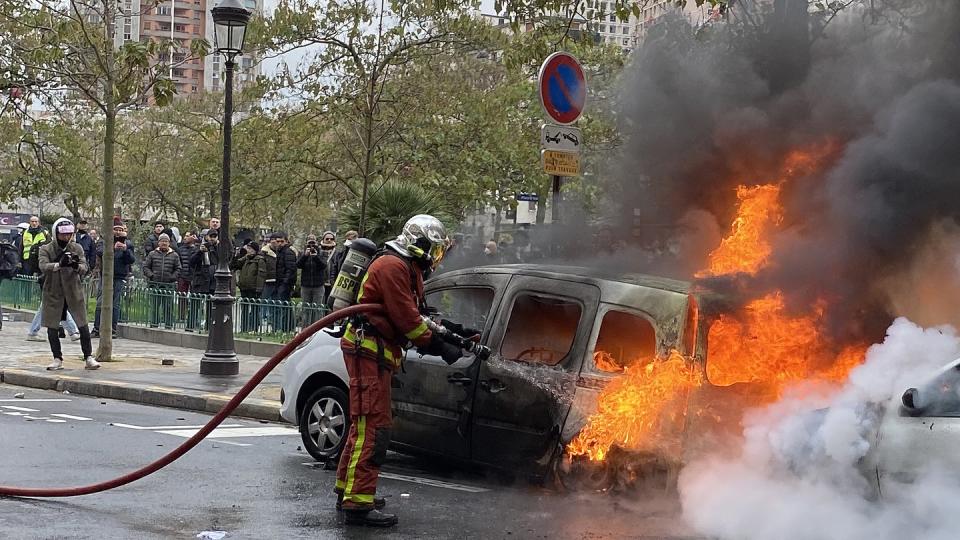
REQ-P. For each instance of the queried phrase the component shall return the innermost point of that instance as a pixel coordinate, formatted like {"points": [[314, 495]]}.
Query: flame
{"points": [[638, 410], [747, 249], [762, 343]]}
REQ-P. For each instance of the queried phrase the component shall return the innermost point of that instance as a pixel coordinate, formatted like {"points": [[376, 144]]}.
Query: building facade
{"points": [[183, 21]]}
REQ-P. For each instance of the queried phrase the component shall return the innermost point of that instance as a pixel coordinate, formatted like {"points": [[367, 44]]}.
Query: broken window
{"points": [[541, 329], [468, 306], [624, 340]]}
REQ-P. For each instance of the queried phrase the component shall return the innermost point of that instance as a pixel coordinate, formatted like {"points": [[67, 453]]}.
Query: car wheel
{"points": [[580, 474], [324, 423]]}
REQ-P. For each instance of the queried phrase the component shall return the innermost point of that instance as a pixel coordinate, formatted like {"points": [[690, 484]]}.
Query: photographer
{"points": [[252, 267], [312, 265], [62, 263], [123, 259], [203, 264]]}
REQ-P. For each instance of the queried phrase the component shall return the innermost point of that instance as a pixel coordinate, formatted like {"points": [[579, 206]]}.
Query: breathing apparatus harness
{"points": [[348, 287]]}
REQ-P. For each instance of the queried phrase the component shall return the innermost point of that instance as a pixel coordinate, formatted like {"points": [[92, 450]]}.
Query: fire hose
{"points": [[176, 453]]}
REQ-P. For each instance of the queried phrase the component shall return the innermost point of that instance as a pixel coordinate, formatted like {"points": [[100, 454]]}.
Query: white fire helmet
{"points": [[423, 237]]}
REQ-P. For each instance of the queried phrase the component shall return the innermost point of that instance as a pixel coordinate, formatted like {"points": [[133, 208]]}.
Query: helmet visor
{"points": [[437, 252]]}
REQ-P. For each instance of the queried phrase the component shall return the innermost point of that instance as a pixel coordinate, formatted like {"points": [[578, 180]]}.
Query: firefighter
{"points": [[373, 349]]}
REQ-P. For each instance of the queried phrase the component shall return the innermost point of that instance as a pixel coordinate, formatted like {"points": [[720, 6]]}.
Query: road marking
{"points": [[28, 417], [221, 433], [24, 409], [71, 417], [433, 483], [32, 400], [230, 443], [15, 413], [129, 426], [55, 421], [415, 480]]}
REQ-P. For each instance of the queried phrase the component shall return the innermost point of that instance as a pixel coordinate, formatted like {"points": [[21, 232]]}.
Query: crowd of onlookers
{"points": [[274, 270]]}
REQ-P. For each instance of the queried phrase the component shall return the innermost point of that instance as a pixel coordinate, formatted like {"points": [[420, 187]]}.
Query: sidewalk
{"points": [[137, 375]]}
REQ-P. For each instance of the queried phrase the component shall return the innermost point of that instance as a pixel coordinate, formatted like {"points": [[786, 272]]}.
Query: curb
{"points": [[258, 409]]}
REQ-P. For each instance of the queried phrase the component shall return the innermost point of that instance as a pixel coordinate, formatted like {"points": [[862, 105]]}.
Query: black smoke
{"points": [[703, 111]]}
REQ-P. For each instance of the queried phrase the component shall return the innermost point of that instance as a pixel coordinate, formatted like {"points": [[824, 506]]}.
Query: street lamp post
{"points": [[230, 20]]}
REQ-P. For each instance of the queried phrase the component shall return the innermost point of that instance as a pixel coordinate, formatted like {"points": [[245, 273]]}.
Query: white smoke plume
{"points": [[799, 476]]}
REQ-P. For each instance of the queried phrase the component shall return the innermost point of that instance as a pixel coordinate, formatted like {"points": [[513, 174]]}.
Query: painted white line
{"points": [[231, 443], [15, 413], [32, 400], [55, 421], [24, 409], [433, 483], [70, 417], [221, 433], [129, 426], [28, 417]]}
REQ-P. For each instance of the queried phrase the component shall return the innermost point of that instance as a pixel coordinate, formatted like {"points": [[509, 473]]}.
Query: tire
{"points": [[325, 422]]}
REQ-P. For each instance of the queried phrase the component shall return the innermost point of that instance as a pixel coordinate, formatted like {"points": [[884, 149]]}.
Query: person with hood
{"points": [[33, 236], [162, 269], [62, 263], [123, 260], [252, 267]]}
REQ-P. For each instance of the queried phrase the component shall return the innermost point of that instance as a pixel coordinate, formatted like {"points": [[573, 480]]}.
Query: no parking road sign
{"points": [[563, 89]]}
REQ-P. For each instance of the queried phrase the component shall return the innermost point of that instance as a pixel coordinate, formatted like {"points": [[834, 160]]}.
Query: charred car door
{"points": [[525, 390], [431, 400]]}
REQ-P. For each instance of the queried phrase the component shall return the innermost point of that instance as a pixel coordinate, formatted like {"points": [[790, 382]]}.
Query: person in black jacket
{"points": [[286, 279], [203, 264], [162, 269], [87, 243], [312, 272]]}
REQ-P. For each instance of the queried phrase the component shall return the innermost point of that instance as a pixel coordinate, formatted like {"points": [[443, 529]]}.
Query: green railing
{"points": [[157, 307]]}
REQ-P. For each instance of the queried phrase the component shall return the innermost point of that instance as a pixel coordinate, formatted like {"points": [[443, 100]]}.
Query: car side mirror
{"points": [[911, 402]]}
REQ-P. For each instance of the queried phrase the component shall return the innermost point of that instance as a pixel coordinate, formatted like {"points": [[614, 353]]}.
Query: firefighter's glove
{"points": [[460, 330], [438, 347]]}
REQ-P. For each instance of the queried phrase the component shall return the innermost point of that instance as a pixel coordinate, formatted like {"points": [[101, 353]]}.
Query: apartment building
{"points": [[182, 21]]}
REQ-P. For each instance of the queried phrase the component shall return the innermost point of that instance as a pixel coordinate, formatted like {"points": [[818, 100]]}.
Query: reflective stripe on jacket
{"points": [[393, 282]]}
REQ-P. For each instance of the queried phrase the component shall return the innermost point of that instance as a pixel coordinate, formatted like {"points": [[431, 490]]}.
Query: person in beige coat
{"points": [[62, 263]]}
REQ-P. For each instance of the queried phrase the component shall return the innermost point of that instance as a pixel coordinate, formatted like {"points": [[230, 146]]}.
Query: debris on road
{"points": [[18, 395], [212, 535]]}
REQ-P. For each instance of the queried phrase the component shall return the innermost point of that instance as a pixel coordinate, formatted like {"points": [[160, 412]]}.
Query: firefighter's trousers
{"points": [[370, 422]]}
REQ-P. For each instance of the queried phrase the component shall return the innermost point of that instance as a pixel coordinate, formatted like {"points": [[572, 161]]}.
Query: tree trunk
{"points": [[105, 350]]}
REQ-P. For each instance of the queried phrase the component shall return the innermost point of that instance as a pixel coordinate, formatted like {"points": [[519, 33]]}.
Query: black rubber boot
{"points": [[370, 518], [379, 503]]}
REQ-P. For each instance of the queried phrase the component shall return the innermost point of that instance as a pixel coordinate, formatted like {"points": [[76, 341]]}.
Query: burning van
{"points": [[560, 336]]}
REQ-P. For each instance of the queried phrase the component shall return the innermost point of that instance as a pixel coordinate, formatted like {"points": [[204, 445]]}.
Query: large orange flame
{"points": [[762, 343], [630, 411]]}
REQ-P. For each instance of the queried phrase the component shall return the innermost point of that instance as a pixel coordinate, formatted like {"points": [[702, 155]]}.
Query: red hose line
{"points": [[12, 491]]}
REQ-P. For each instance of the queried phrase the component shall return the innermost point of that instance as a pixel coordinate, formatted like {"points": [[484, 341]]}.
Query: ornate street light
{"points": [[230, 20]]}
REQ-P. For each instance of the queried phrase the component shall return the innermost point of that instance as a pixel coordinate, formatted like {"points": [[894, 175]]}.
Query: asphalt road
{"points": [[252, 480]]}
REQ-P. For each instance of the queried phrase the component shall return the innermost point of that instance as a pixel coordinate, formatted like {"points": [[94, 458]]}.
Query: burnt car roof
{"points": [[556, 271]]}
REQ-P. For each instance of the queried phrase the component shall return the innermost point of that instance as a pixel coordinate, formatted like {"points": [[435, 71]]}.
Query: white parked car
{"points": [[918, 428]]}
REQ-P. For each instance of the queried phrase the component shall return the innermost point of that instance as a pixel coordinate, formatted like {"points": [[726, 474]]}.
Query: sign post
{"points": [[563, 93]]}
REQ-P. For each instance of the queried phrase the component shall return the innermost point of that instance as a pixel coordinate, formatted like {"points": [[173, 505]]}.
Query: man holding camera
{"points": [[123, 259], [312, 267], [62, 263]]}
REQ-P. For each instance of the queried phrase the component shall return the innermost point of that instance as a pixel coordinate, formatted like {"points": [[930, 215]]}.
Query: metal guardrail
{"points": [[163, 307]]}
